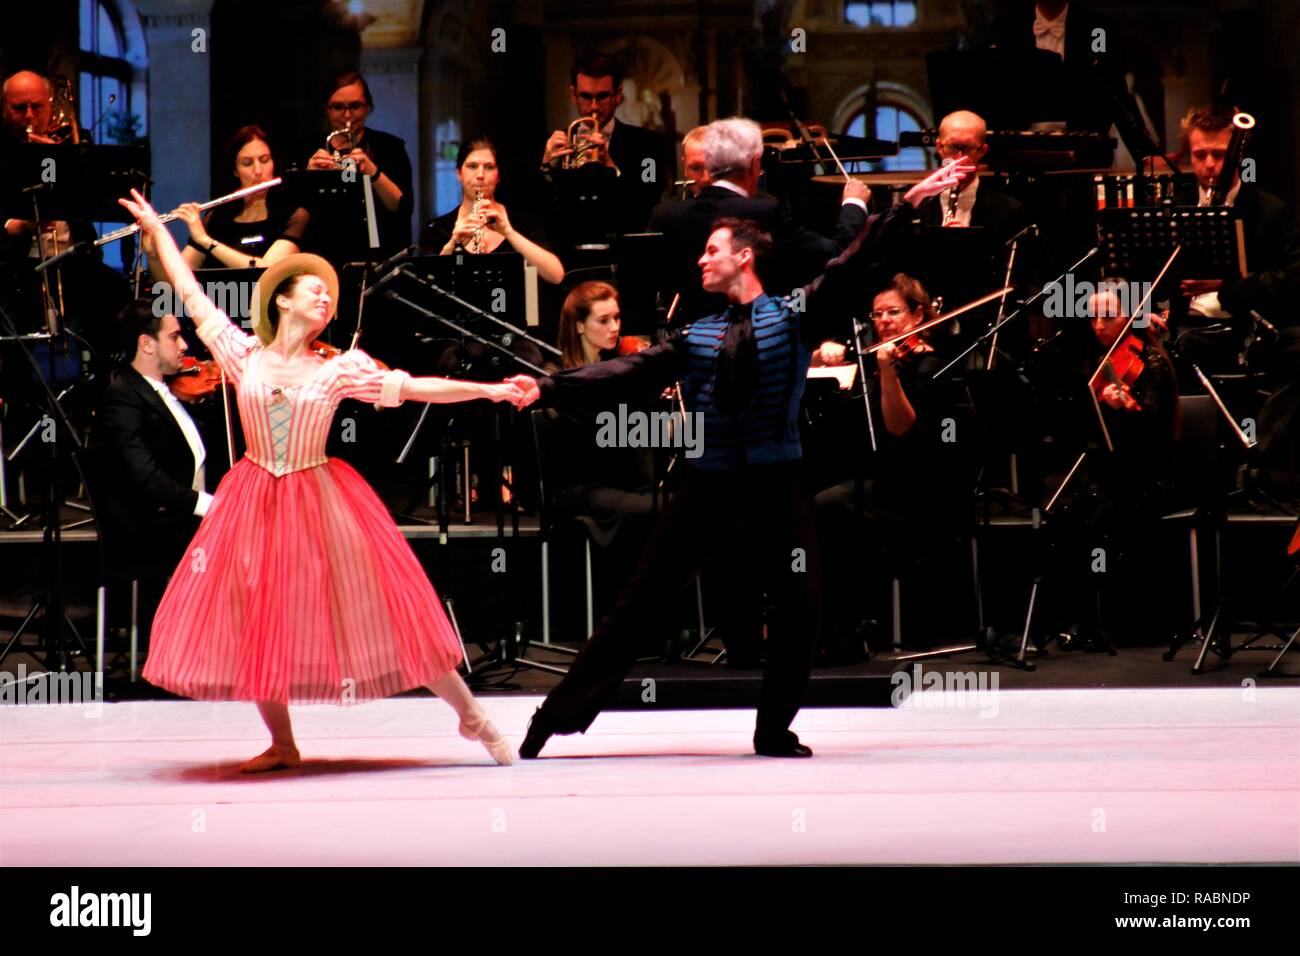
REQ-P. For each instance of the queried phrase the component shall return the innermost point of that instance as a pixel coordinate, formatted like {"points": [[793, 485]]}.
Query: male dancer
{"points": [[743, 371]]}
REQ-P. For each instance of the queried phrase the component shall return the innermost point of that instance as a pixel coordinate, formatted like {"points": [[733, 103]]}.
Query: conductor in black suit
{"points": [[151, 453], [733, 156], [641, 160]]}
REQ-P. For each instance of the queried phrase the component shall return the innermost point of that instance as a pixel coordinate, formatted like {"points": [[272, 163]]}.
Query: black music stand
{"points": [[344, 227], [639, 273], [586, 203], [447, 290], [81, 181], [1010, 89], [1136, 242]]}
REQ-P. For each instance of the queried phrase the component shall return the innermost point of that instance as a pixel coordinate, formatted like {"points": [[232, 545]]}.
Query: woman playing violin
{"points": [[1116, 502], [874, 527]]}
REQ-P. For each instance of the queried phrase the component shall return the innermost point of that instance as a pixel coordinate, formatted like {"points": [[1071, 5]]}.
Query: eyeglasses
{"points": [[346, 107], [966, 149], [888, 313], [600, 97]]}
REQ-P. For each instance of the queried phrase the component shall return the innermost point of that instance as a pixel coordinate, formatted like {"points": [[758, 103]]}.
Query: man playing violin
{"points": [[153, 456]]}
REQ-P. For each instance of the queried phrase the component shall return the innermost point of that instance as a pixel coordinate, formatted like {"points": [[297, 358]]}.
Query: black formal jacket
{"points": [[1002, 215], [629, 148], [1272, 283], [147, 471], [799, 256]]}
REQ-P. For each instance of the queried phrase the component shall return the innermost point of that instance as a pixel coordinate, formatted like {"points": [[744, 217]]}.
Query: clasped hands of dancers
{"points": [[298, 587]]}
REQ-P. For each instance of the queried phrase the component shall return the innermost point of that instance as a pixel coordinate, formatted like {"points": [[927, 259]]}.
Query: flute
{"points": [[132, 229]]}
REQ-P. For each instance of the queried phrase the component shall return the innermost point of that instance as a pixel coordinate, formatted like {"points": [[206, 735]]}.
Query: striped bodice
{"points": [[286, 427]]}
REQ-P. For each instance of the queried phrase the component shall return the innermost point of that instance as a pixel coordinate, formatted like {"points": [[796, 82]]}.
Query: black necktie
{"points": [[737, 375]]}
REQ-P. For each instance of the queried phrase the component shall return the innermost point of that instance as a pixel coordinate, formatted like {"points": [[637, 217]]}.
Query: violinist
{"points": [[609, 489], [1136, 387], [1116, 502], [153, 456], [891, 504]]}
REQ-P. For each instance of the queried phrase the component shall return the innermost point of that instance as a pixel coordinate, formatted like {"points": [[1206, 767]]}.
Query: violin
{"points": [[326, 351], [1123, 369], [631, 344], [197, 381]]}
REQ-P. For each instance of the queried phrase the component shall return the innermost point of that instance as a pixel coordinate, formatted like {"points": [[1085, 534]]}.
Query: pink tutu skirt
{"points": [[299, 589]]}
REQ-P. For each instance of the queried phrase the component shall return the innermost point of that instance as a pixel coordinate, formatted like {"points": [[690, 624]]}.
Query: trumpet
{"points": [[62, 126], [340, 142], [581, 149]]}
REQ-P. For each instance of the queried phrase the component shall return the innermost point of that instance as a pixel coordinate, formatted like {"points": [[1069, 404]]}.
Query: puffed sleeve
{"points": [[358, 376], [229, 344]]}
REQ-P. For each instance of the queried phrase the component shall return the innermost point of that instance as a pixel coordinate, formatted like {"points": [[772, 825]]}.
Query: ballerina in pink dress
{"points": [[298, 586]]}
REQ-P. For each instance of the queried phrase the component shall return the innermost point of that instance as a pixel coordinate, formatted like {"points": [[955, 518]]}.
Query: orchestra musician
{"points": [[1268, 291], [255, 232], [379, 155], [153, 456], [746, 481], [608, 489], [733, 157], [27, 107], [641, 159], [480, 224], [1119, 496], [695, 168], [28, 100], [979, 202], [903, 497]]}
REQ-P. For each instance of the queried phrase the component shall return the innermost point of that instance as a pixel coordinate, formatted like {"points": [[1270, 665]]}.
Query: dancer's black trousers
{"points": [[770, 509]]}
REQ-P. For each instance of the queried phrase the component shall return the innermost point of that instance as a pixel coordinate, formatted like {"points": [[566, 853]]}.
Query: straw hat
{"points": [[302, 263]]}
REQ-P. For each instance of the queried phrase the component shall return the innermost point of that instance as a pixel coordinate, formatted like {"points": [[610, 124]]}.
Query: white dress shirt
{"points": [[192, 438], [1207, 305]]}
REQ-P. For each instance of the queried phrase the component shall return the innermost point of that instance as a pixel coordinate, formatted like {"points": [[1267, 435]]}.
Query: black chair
{"points": [[554, 524]]}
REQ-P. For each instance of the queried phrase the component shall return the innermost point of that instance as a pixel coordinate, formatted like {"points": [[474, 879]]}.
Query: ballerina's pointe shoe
{"points": [[481, 729], [273, 758]]}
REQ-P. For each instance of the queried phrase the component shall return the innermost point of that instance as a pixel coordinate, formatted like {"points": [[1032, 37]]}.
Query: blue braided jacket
{"points": [[786, 330]]}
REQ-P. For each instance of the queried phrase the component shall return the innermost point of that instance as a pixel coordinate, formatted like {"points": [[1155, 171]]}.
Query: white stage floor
{"points": [[1161, 776]]}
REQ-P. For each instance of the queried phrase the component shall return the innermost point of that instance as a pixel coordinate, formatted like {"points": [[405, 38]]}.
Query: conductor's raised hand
{"points": [[944, 177]]}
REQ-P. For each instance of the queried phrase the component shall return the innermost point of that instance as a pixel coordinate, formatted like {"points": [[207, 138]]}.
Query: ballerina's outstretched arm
{"points": [[185, 286]]}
